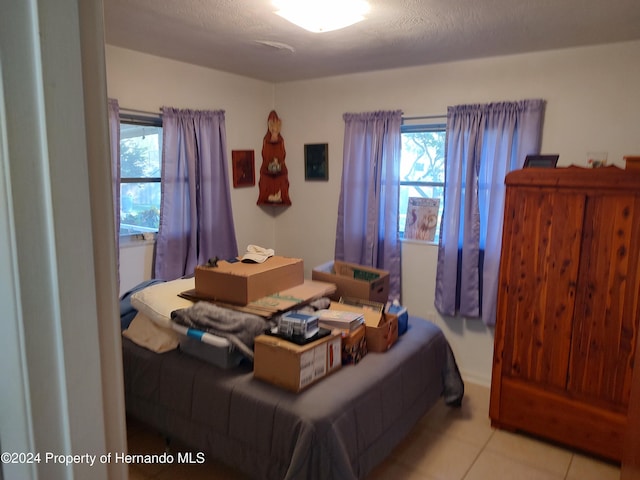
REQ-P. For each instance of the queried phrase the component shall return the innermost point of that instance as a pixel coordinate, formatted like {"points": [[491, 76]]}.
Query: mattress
{"points": [[340, 428]]}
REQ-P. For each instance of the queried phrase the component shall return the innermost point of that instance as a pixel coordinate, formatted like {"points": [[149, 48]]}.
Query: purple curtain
{"points": [[484, 143], [114, 136], [367, 229], [196, 221]]}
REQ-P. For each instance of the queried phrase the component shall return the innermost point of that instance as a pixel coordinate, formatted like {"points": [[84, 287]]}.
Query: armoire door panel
{"points": [[607, 301], [540, 261]]}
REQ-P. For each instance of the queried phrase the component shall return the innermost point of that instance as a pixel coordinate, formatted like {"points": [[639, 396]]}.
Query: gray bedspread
{"points": [[340, 428]]}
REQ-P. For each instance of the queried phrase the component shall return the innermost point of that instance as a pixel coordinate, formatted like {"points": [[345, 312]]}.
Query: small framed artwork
{"points": [[541, 161], [422, 218], [316, 161], [243, 165]]}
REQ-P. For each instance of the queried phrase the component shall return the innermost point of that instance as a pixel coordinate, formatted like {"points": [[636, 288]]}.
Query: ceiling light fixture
{"points": [[322, 15]]}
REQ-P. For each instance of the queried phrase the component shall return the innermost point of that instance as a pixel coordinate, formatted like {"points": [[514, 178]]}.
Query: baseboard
{"points": [[474, 377]]}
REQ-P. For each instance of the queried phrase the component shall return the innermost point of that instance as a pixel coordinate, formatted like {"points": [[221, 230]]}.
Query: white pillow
{"points": [[159, 300], [147, 334]]}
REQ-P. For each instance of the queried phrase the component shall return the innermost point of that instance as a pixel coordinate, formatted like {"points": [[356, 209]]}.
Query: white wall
{"points": [[593, 104]]}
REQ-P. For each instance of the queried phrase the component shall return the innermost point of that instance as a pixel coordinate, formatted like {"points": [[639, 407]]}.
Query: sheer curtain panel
{"points": [[484, 143], [367, 228], [196, 221]]}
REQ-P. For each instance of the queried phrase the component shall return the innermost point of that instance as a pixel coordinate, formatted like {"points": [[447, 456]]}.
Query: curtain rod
{"points": [[424, 117], [143, 112]]}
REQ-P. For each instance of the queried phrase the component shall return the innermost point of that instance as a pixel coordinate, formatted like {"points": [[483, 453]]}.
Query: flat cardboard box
{"points": [[295, 367], [381, 329], [278, 302], [353, 280], [293, 297], [241, 283]]}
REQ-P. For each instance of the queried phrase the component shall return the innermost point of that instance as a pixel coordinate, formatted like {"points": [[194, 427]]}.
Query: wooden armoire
{"points": [[568, 306]]}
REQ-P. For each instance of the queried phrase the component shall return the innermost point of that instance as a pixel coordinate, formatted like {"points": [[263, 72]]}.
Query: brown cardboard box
{"points": [[295, 367], [273, 303], [241, 283], [354, 345], [382, 337], [381, 329], [353, 280]]}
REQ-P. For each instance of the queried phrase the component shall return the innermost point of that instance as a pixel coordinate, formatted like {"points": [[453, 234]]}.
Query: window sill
{"points": [[419, 242], [137, 240]]}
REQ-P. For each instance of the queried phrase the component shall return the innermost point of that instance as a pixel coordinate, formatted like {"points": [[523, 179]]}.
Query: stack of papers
{"points": [[340, 319]]}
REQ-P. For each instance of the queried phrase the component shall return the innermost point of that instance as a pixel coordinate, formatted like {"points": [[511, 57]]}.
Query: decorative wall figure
{"points": [[274, 180]]}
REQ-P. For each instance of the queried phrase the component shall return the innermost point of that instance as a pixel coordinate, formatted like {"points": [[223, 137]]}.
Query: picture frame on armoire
{"points": [[541, 161]]}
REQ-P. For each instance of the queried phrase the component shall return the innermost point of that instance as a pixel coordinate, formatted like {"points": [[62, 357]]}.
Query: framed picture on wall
{"points": [[243, 166], [316, 161]]}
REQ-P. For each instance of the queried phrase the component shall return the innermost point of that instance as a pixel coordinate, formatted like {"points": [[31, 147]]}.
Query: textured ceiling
{"points": [[245, 36]]}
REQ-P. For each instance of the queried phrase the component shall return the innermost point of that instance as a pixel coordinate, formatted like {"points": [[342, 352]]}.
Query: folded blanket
{"points": [[238, 327], [142, 331]]}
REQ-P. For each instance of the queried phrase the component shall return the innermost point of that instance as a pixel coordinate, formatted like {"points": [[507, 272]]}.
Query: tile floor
{"points": [[447, 444]]}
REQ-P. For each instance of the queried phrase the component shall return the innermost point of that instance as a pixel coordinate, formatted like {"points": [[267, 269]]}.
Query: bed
{"points": [[340, 428]]}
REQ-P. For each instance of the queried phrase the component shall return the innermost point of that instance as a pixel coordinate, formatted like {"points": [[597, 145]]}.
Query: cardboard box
{"points": [[382, 337], [241, 283], [267, 307], [295, 367], [353, 280], [354, 345], [381, 330]]}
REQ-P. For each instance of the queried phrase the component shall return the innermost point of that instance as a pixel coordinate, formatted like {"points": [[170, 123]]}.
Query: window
{"points": [[140, 165], [421, 167]]}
